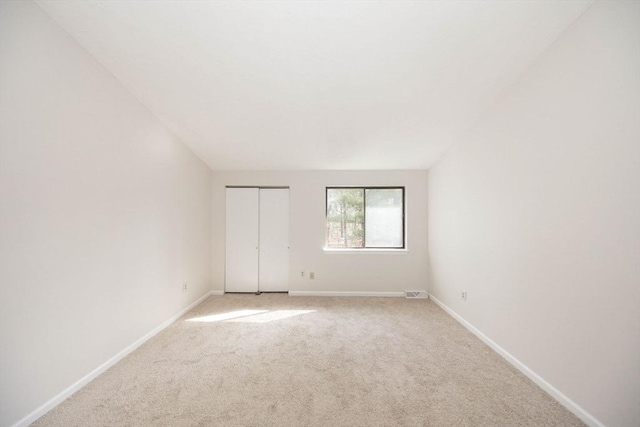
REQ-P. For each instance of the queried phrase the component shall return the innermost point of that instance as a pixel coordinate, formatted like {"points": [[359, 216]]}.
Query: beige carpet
{"points": [[275, 360]]}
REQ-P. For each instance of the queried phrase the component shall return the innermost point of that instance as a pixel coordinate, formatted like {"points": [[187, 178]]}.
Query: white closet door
{"points": [[274, 239], [241, 269]]}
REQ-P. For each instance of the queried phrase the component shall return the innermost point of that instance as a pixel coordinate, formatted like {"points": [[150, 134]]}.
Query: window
{"points": [[365, 217]]}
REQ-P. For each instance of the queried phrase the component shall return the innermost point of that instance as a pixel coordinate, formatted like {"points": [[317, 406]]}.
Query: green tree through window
{"points": [[345, 217]]}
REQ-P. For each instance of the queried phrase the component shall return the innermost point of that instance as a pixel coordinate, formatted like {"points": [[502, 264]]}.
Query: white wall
{"points": [[103, 214], [335, 272], [536, 214]]}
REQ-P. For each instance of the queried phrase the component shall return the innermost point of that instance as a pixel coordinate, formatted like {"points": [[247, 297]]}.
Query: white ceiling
{"points": [[316, 85]]}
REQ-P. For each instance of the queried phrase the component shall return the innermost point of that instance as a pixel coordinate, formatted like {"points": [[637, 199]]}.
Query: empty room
{"points": [[319, 213]]}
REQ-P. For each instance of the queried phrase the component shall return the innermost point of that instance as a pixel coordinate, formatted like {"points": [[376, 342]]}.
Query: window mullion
{"points": [[364, 217]]}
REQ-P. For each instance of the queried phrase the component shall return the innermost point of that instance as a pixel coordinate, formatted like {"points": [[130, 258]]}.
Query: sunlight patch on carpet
{"points": [[250, 316], [271, 316], [226, 316]]}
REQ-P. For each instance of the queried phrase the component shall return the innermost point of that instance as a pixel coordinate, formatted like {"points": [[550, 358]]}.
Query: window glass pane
{"points": [[345, 217], [384, 218]]}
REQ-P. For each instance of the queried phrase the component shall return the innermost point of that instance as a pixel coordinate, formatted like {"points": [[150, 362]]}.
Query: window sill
{"points": [[365, 251]]}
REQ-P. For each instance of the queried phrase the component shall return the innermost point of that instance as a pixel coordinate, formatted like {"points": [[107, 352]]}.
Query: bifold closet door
{"points": [[242, 245], [274, 240]]}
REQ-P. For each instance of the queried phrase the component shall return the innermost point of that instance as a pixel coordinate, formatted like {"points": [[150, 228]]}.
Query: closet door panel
{"points": [[242, 234], [274, 240]]}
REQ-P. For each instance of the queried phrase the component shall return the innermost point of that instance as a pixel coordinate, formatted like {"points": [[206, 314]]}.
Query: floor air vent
{"points": [[416, 294]]}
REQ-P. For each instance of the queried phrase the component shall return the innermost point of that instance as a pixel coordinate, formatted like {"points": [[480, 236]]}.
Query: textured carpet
{"points": [[275, 360]]}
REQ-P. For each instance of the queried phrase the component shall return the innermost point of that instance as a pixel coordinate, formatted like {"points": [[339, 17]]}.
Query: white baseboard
{"points": [[344, 294], [586, 417], [55, 401]]}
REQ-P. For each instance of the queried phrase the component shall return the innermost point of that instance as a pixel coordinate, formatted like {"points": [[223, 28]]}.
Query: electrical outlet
{"points": [[302, 274], [185, 285], [463, 295], [312, 275]]}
